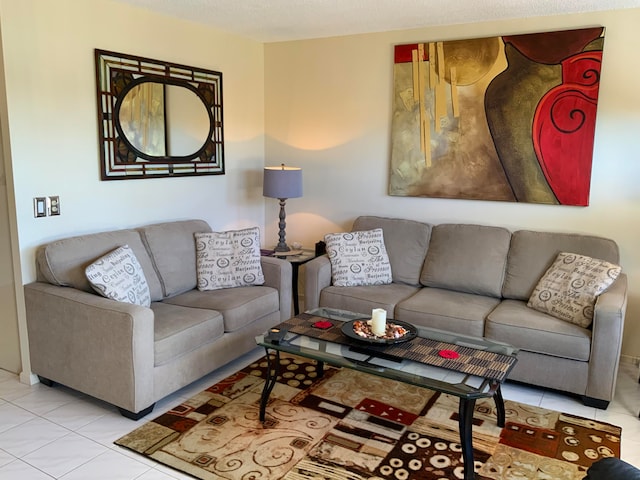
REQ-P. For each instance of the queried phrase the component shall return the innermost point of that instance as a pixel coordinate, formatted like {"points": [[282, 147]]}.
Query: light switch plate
{"points": [[40, 207]]}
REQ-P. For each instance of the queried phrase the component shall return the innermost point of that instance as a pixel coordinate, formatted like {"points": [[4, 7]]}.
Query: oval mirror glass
{"points": [[162, 120], [187, 121]]}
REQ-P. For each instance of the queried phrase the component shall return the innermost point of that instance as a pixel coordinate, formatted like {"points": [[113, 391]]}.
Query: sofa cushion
{"points": [[467, 258], [568, 290], [358, 258], [228, 259], [63, 262], [239, 306], [179, 330], [532, 253], [447, 310], [363, 299], [406, 242], [119, 276], [516, 324], [173, 252]]}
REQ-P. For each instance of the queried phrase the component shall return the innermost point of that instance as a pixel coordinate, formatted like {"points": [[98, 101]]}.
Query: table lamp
{"points": [[282, 183]]}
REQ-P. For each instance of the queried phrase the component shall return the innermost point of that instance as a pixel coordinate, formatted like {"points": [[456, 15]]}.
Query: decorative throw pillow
{"points": [[358, 258], [569, 288], [228, 259], [119, 276]]}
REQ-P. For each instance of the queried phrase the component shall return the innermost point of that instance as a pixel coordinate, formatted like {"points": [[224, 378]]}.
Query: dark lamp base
{"points": [[282, 248]]}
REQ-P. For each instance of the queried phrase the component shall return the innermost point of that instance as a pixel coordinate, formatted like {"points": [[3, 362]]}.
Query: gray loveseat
{"points": [[476, 280], [130, 355]]}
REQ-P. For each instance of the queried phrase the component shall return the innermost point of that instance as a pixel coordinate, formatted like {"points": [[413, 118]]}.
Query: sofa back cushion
{"points": [[64, 261], [532, 253], [406, 242], [172, 247], [467, 258]]}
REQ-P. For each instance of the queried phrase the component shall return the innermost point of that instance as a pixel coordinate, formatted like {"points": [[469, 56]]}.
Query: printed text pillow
{"points": [[569, 288], [119, 276], [228, 259], [358, 258]]}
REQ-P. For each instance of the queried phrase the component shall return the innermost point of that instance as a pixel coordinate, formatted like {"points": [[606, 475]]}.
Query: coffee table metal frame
{"points": [[370, 359]]}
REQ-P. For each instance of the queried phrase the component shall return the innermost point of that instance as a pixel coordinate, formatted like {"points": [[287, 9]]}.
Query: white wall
{"points": [[328, 107], [51, 95]]}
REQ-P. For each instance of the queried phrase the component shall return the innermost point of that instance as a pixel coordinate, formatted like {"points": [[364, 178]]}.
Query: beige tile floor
{"points": [[57, 433]]}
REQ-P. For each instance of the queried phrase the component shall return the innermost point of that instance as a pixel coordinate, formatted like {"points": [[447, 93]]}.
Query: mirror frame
{"points": [[116, 74]]}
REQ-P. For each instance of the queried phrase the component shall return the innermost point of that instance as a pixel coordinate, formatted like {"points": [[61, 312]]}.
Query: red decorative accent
{"points": [[386, 411], [403, 53], [564, 127], [537, 440], [222, 385], [323, 324], [449, 354]]}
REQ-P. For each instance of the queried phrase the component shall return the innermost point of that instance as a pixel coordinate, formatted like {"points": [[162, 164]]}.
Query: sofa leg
{"points": [[46, 381], [136, 416], [595, 402]]}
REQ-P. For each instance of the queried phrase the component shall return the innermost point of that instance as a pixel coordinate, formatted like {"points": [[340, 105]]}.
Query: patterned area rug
{"points": [[352, 426]]}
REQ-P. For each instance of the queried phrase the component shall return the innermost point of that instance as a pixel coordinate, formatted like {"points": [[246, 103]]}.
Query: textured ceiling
{"points": [[280, 20]]}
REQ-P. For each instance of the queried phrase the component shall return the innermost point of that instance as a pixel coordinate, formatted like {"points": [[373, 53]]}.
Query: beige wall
{"points": [[51, 110], [328, 106]]}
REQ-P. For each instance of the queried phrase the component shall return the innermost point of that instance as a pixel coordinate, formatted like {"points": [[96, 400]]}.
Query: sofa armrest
{"points": [[606, 340], [277, 274], [317, 277], [98, 346], [612, 468]]}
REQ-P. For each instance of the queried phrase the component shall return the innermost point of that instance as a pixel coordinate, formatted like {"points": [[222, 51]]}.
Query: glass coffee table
{"points": [[426, 360]]}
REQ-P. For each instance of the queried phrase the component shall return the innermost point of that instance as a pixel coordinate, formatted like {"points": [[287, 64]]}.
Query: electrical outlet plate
{"points": [[40, 207], [53, 203]]}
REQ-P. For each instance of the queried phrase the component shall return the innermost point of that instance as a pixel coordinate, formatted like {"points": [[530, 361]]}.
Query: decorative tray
{"points": [[410, 332]]}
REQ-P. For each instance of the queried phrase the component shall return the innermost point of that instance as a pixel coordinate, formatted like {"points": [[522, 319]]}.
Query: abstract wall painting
{"points": [[508, 118]]}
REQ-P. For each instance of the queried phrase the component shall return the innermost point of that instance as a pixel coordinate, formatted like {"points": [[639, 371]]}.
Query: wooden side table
{"points": [[296, 259]]}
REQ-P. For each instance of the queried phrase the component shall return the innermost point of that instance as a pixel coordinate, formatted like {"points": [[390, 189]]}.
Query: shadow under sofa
{"points": [[476, 280], [129, 355]]}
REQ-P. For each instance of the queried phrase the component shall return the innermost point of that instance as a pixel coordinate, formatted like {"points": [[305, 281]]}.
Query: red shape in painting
{"points": [[404, 53], [564, 126]]}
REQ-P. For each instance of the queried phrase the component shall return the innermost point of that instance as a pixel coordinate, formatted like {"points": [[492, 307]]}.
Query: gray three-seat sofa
{"points": [[476, 280]]}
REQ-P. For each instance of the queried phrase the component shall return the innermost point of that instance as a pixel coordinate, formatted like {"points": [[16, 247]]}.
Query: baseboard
{"points": [[630, 359], [28, 378]]}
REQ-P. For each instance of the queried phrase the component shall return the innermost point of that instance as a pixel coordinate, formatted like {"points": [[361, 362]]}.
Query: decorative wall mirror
{"points": [[157, 119]]}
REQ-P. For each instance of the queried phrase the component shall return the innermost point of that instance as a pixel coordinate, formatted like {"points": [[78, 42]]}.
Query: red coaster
{"points": [[450, 354], [323, 324]]}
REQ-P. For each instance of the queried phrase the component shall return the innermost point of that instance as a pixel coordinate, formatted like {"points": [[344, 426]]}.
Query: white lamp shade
{"points": [[282, 182]]}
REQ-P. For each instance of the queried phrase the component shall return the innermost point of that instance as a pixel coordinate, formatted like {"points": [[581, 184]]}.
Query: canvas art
{"points": [[507, 118]]}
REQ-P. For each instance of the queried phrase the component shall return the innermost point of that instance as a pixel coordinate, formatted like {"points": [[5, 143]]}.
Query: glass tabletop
{"points": [[372, 359]]}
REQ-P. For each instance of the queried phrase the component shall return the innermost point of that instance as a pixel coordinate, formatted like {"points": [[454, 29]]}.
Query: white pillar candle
{"points": [[378, 321]]}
